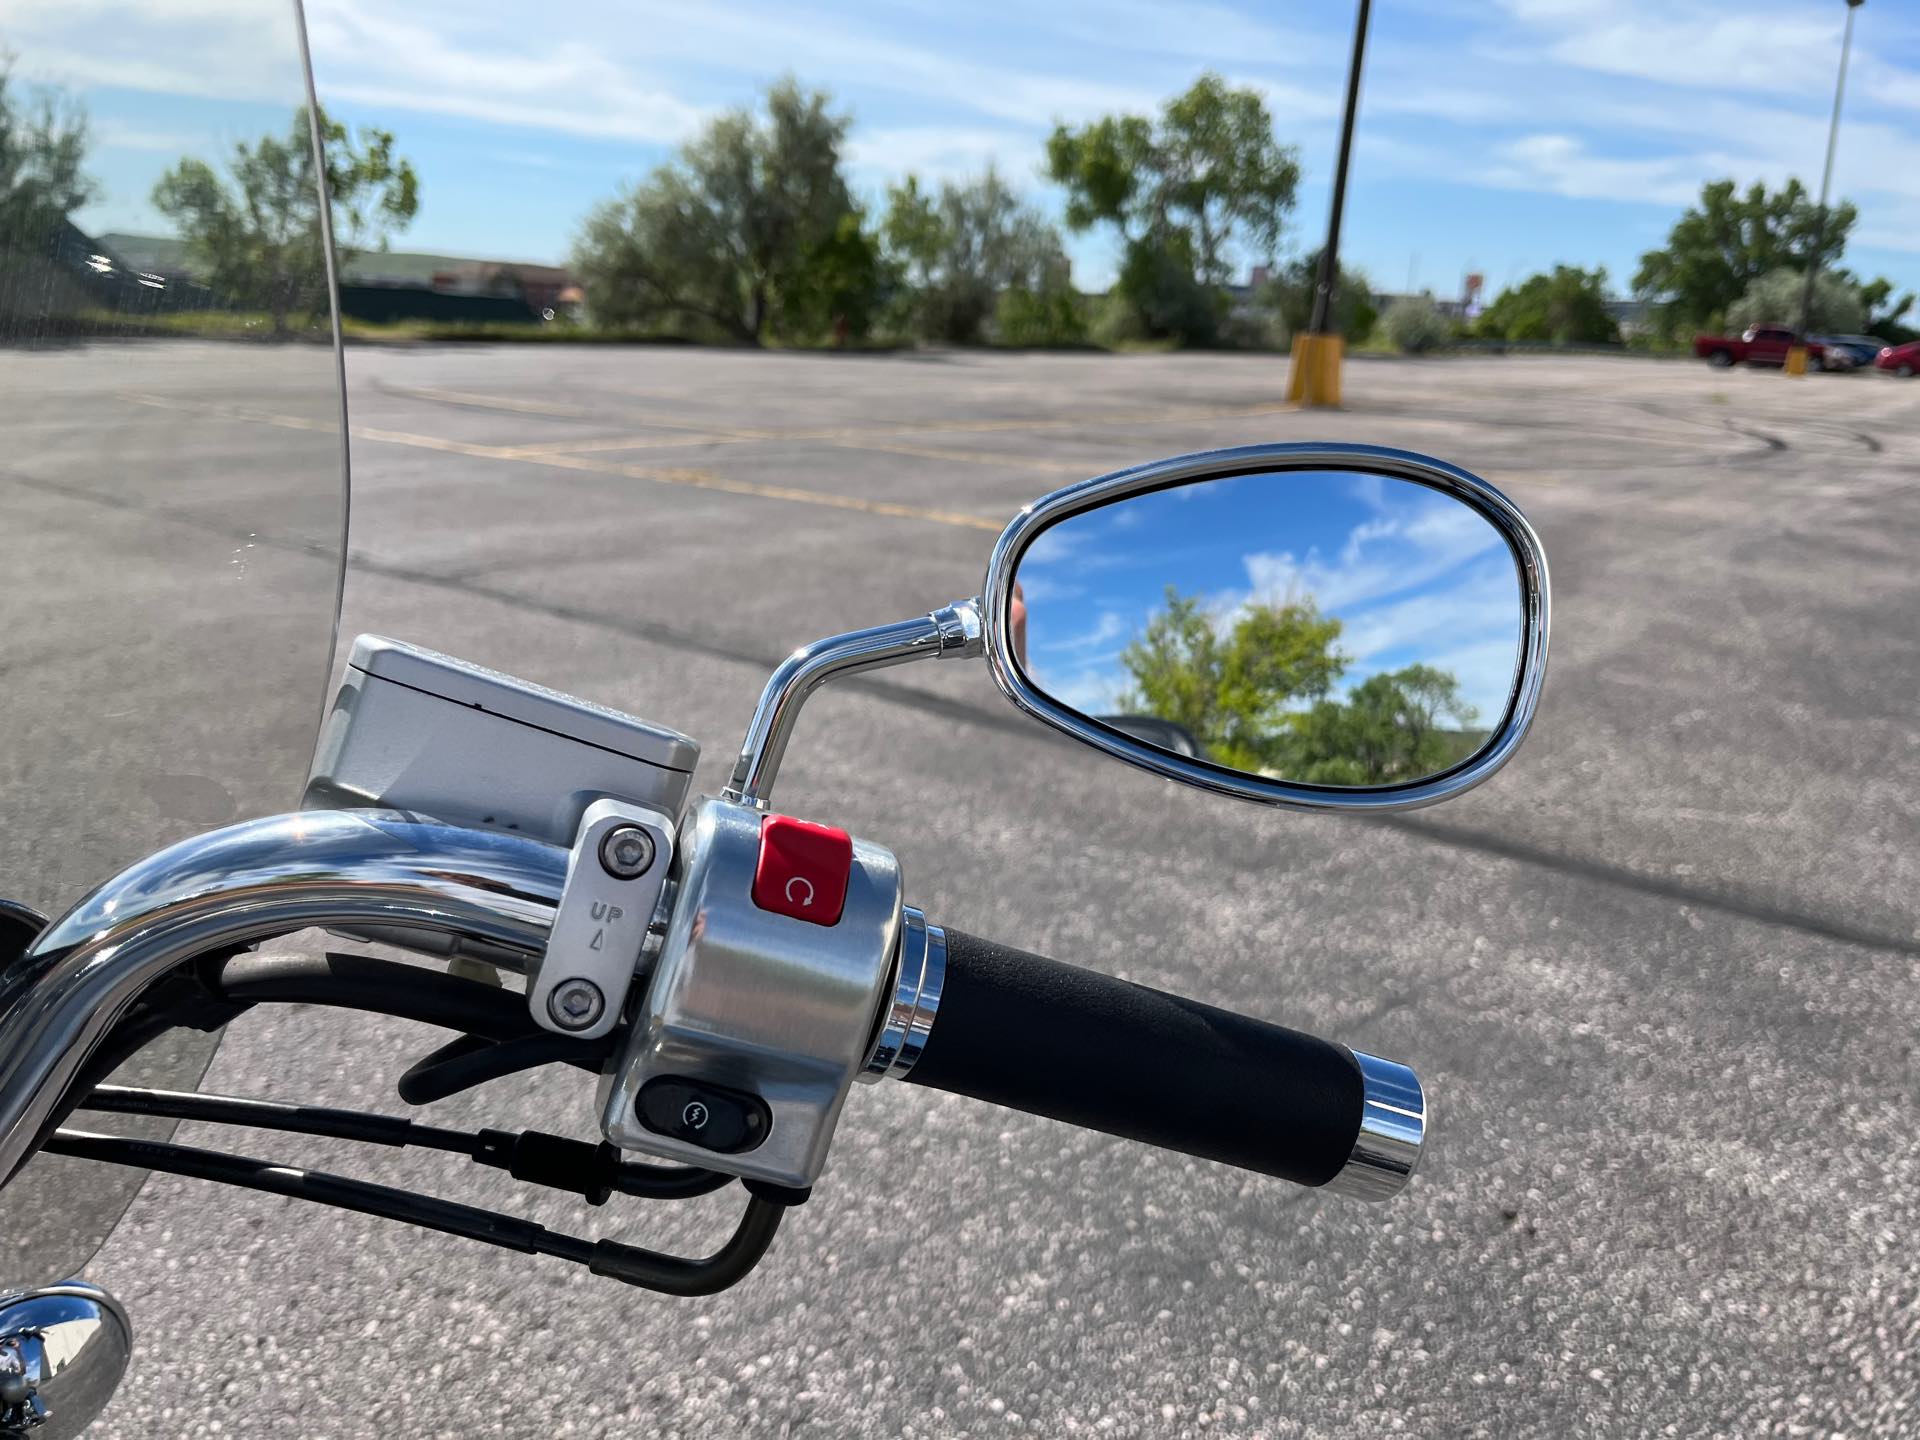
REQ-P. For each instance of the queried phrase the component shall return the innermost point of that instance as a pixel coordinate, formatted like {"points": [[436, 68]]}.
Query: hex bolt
{"points": [[575, 1004], [626, 852]]}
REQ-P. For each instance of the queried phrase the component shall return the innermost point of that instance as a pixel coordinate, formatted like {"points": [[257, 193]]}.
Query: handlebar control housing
{"points": [[759, 1012]]}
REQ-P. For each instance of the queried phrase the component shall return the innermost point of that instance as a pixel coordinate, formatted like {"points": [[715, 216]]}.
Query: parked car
{"points": [[1756, 345], [1864, 349], [1902, 360]]}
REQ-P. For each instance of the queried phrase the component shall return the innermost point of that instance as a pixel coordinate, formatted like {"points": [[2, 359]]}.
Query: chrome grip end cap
{"points": [[1393, 1127]]}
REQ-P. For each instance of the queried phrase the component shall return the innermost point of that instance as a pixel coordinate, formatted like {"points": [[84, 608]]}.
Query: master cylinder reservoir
{"points": [[414, 730]]}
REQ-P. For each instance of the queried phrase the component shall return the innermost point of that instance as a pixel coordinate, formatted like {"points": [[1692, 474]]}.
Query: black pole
{"points": [[1826, 179], [1330, 256]]}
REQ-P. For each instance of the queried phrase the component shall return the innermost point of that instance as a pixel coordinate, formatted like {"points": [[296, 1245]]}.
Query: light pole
{"points": [[1315, 377], [1797, 353]]}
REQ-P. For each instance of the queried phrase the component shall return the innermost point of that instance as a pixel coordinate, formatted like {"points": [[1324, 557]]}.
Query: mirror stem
{"points": [[952, 632]]}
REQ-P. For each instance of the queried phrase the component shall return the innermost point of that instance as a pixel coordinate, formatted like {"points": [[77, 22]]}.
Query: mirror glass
{"points": [[1333, 628]]}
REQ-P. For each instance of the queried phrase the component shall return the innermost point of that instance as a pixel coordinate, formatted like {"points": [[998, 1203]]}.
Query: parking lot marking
{"points": [[485, 402], [692, 479], [969, 457], [707, 480], [857, 436]]}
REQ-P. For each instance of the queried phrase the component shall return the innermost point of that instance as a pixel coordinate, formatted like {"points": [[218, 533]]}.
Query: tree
{"points": [[1388, 729], [962, 248], [1414, 324], [1774, 299], [1231, 690], [839, 284], [1885, 313], [1567, 307], [1053, 316], [1720, 247], [256, 235], [1188, 193], [1289, 294], [733, 234], [43, 147]]}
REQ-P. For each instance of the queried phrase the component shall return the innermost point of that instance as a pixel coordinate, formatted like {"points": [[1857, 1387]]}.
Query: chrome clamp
{"points": [[615, 875]]}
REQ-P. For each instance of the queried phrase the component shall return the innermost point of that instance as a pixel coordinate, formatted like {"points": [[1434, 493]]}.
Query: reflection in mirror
{"points": [[1330, 628]]}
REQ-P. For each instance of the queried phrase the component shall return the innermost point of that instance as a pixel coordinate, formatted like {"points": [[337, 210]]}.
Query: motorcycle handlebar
{"points": [[1051, 1039]]}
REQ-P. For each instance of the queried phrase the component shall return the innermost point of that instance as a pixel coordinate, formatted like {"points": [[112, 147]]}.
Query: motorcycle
{"points": [[552, 895]]}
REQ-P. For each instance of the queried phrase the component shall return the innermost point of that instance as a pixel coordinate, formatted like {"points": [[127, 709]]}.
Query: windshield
{"points": [[171, 476]]}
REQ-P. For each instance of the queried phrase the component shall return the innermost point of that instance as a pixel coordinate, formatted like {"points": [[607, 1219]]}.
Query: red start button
{"points": [[803, 869]]}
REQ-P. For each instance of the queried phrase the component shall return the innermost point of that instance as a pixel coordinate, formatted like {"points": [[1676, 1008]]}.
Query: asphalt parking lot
{"points": [[1659, 975]]}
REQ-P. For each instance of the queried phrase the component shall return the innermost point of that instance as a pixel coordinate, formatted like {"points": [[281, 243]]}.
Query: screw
{"points": [[626, 852], [575, 1004]]}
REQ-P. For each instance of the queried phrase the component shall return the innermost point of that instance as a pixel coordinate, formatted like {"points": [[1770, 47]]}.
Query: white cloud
{"points": [[1110, 626], [1564, 165], [936, 153], [1400, 549], [118, 135], [1471, 629], [1090, 691]]}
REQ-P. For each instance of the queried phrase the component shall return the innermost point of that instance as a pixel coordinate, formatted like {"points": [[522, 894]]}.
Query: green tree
{"points": [[1886, 312], [1053, 316], [732, 234], [1414, 324], [1390, 728], [839, 285], [1567, 307], [43, 147], [256, 235], [1289, 294], [1189, 193], [1774, 299], [1729, 240], [962, 249], [1232, 690]]}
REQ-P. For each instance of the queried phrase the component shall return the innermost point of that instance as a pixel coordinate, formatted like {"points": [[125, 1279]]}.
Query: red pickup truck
{"points": [[1757, 345]]}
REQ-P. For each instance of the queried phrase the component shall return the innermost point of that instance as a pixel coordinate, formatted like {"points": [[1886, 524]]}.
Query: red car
{"points": [[1757, 345], [1903, 360]]}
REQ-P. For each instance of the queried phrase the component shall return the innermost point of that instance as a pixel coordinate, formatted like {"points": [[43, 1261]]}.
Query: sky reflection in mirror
{"points": [[1258, 612]]}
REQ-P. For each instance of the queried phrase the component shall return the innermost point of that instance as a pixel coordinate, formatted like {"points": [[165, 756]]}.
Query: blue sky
{"points": [[1499, 135], [1413, 576]]}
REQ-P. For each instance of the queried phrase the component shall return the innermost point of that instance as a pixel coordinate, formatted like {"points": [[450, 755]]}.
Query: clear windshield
{"points": [[172, 496]]}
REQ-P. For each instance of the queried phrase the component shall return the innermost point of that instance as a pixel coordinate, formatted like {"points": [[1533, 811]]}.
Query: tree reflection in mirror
{"points": [[1332, 628]]}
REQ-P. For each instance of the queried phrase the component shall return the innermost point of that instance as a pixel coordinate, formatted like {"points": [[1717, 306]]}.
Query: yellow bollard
{"points": [[1796, 361], [1314, 379]]}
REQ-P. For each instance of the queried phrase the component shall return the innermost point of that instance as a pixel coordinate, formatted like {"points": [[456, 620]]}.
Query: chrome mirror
{"points": [[1326, 626]]}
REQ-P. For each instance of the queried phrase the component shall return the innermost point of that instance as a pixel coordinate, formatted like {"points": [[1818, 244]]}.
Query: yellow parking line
{"points": [[969, 457], [707, 480], [692, 479], [630, 442], [487, 402], [837, 435]]}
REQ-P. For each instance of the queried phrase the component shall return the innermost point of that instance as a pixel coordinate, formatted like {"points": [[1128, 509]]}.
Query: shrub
{"points": [[1415, 325], [1052, 316]]}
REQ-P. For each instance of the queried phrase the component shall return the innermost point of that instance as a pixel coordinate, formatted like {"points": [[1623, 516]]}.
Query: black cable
{"points": [[633, 1264], [272, 1115], [592, 1171]]}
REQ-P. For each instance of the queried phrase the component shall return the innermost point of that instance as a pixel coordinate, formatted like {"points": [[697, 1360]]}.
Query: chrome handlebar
{"points": [[363, 869], [387, 872]]}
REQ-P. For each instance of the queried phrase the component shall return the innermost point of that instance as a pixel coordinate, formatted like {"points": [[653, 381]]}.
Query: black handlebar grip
{"points": [[1074, 1045]]}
